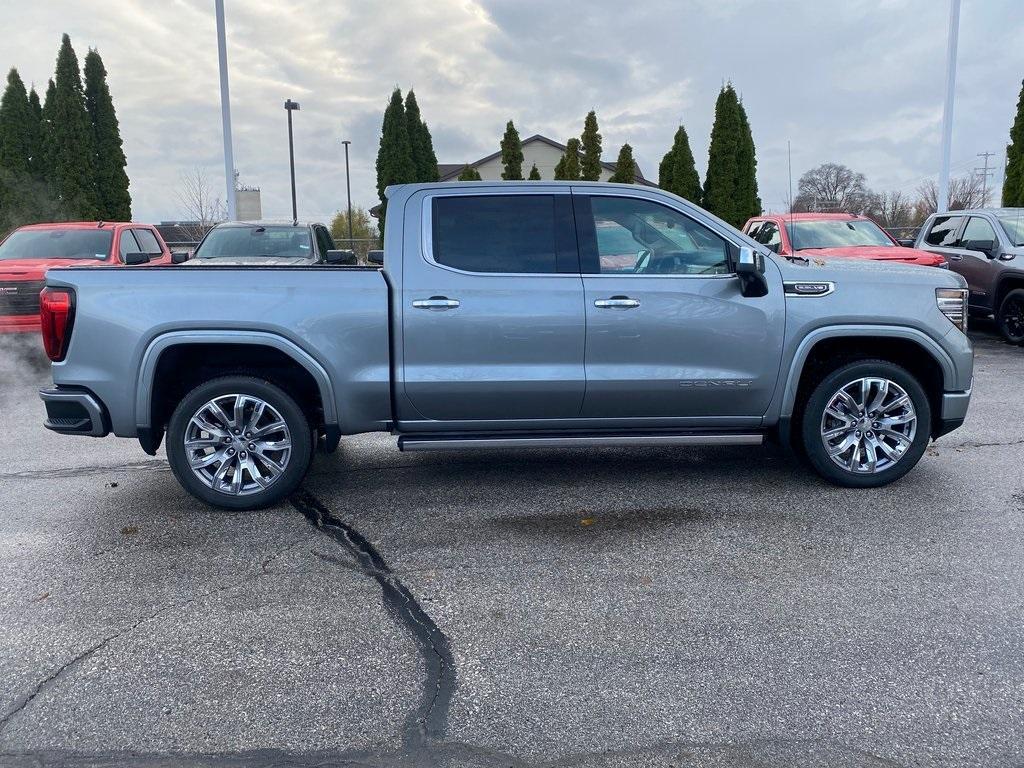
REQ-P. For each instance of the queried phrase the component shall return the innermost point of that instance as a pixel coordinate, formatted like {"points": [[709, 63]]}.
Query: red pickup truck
{"points": [[824, 235], [27, 252]]}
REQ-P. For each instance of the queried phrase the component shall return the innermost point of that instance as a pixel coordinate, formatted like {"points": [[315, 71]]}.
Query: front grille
{"points": [[20, 297]]}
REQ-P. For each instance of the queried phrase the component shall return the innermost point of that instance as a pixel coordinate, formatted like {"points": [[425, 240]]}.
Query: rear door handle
{"points": [[954, 257], [617, 302], [436, 303]]}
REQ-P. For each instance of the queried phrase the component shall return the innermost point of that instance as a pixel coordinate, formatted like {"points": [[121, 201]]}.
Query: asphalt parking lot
{"points": [[603, 607]]}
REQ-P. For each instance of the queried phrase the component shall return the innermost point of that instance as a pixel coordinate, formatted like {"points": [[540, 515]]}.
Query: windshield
{"points": [[1013, 225], [272, 242], [57, 244], [836, 233]]}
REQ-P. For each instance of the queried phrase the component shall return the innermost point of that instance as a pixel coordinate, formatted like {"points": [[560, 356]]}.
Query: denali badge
{"points": [[715, 383], [8, 289]]}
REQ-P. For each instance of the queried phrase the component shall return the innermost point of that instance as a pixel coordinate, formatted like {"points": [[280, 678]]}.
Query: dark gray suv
{"points": [[986, 247]]}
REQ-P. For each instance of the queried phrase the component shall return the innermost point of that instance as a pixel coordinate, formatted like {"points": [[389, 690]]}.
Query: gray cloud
{"points": [[854, 82]]}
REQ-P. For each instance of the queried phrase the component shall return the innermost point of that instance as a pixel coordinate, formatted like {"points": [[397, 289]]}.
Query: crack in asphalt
{"points": [[40, 686], [427, 722]]}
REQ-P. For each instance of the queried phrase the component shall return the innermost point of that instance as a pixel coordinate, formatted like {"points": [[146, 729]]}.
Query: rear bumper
{"points": [[74, 412]]}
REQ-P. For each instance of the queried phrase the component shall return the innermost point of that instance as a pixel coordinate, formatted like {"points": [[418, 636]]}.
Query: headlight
{"points": [[952, 303]]}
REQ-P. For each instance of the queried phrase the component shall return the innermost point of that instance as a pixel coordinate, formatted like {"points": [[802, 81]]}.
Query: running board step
{"points": [[459, 442]]}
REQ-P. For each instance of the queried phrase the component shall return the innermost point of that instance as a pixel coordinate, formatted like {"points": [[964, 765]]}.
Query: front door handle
{"points": [[954, 256], [617, 302], [436, 303]]}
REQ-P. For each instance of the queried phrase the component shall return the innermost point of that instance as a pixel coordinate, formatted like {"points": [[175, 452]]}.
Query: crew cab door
{"points": [[669, 334], [493, 323]]}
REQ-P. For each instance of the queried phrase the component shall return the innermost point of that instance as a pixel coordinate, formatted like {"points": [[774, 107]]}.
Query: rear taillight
{"points": [[57, 313]]}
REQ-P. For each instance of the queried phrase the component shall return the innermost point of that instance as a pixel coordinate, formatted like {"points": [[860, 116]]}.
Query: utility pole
{"points": [[947, 109], [289, 107], [225, 113], [985, 173], [348, 190]]}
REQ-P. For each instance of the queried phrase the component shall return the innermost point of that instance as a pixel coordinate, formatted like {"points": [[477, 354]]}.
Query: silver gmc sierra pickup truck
{"points": [[513, 314]]}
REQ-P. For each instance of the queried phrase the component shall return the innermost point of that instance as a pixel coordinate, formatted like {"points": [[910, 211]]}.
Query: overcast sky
{"points": [[858, 82]]}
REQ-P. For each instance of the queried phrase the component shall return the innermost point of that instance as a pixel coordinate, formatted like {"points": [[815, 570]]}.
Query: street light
{"points": [[289, 107], [348, 190], [942, 200], [225, 112]]}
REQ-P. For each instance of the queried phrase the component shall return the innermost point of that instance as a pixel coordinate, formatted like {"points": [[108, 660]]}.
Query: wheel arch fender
{"points": [[913, 335], [145, 382]]}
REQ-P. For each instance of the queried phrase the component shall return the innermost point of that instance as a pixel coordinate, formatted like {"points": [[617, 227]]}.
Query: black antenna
{"points": [[792, 229]]}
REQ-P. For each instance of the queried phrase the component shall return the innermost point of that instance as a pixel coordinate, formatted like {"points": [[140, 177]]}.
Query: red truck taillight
{"points": [[57, 314]]}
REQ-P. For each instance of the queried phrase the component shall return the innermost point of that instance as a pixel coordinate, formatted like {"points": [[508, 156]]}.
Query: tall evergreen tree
{"points": [[677, 172], [16, 135], [747, 199], [36, 163], [721, 185], [421, 145], [625, 167], [15, 148], [1013, 181], [115, 202], [560, 169], [394, 158], [511, 154], [590, 169], [469, 173], [534, 173], [69, 149], [571, 160]]}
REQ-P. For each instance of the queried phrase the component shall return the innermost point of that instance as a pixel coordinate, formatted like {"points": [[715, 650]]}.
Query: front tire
{"points": [[1011, 316], [239, 442], [866, 424]]}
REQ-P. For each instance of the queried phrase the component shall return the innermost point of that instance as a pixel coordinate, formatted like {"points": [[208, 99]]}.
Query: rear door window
{"points": [[497, 233], [323, 241], [769, 235], [942, 233]]}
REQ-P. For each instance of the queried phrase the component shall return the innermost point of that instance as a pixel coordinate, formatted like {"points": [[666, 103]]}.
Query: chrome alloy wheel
{"points": [[237, 444], [868, 425]]}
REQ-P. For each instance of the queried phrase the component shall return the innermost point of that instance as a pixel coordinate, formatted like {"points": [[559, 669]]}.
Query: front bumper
{"points": [[74, 412], [952, 413]]}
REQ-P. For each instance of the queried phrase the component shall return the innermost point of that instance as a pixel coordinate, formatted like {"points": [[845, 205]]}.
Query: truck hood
{"points": [[34, 269], [876, 253], [253, 261], [866, 271]]}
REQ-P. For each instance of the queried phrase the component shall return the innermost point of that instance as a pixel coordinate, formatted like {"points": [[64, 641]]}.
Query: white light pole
{"points": [[942, 198], [225, 112]]}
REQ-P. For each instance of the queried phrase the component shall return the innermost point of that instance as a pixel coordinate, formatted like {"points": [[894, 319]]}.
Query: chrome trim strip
{"points": [[408, 443]]}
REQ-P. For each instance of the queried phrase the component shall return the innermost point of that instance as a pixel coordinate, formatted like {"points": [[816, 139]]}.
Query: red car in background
{"points": [[27, 252], [824, 235]]}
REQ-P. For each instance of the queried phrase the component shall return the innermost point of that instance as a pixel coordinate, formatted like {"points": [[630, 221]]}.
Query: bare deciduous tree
{"points": [[964, 192], [832, 187], [200, 208], [893, 210]]}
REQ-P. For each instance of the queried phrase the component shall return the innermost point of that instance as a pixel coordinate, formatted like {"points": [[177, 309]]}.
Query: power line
{"points": [[985, 173]]}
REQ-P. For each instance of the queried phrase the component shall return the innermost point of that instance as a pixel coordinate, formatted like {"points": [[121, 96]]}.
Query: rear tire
{"points": [[866, 424], [1010, 316], [239, 442]]}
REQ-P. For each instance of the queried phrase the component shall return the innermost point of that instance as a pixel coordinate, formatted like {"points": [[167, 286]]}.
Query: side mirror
{"points": [[179, 257], [134, 259], [375, 257], [984, 246], [750, 270], [340, 257], [907, 242]]}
